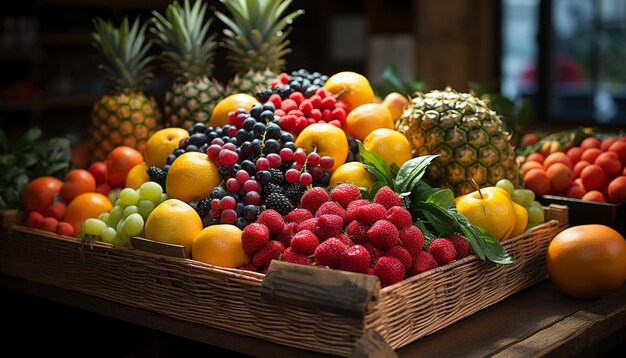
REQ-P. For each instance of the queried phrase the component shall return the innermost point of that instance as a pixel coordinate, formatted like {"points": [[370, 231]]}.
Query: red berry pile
{"points": [[343, 231], [297, 112]]}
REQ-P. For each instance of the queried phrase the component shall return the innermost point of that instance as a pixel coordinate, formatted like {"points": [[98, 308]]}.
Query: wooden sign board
{"points": [[159, 248]]}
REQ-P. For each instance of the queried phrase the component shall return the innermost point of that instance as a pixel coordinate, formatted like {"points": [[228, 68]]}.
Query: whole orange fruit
{"points": [[175, 222], [350, 87], [220, 245], [219, 116], [191, 177], [85, 206], [162, 143], [391, 145], [587, 261], [119, 162], [366, 118], [39, 194], [137, 176], [353, 173], [76, 182]]}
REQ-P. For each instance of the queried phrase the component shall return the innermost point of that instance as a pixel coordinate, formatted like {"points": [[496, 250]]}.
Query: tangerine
{"points": [[85, 206], [587, 261], [192, 176], [119, 162], [39, 194], [220, 245], [76, 182], [391, 145], [538, 181], [137, 176], [352, 88], [175, 222], [366, 118], [557, 157], [219, 116]]}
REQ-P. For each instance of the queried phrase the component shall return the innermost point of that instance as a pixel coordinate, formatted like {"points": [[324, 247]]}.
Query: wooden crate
{"points": [[311, 308]]}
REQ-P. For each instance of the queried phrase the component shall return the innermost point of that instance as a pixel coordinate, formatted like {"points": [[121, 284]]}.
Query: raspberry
{"points": [[288, 105], [270, 251], [328, 225], [306, 107], [412, 239], [298, 215], [304, 242], [399, 216], [371, 213], [442, 250], [383, 234], [352, 210], [355, 259], [313, 198], [339, 114], [422, 262], [298, 97], [276, 100], [389, 270], [289, 255], [357, 231], [375, 253], [345, 239], [344, 194], [461, 245], [309, 224], [254, 237], [330, 252], [387, 197], [273, 220], [330, 207], [287, 233], [401, 254]]}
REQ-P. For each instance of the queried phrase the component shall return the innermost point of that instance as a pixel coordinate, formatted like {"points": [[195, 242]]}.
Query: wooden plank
{"points": [[320, 288], [160, 248]]}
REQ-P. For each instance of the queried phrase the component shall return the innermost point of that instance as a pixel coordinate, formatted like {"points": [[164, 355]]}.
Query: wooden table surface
{"points": [[538, 321]]}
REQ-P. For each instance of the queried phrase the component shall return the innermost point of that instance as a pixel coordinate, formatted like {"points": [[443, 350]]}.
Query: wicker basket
{"points": [[234, 300]]}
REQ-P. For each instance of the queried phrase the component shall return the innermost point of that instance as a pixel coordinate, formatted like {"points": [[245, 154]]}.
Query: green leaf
{"points": [[380, 177], [493, 249], [374, 189], [394, 169], [442, 197], [444, 223], [428, 236], [484, 245], [411, 173], [376, 162]]}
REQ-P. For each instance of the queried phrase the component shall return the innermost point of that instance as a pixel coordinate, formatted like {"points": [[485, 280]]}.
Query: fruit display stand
{"points": [[310, 308]]}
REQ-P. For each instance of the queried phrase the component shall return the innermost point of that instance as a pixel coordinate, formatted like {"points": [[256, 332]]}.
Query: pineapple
{"points": [[188, 54], [256, 41], [125, 116], [466, 133]]}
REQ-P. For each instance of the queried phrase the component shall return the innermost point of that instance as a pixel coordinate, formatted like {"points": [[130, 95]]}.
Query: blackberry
{"points": [[280, 203], [294, 191], [283, 91], [157, 175], [272, 188], [278, 177], [263, 95], [203, 207]]}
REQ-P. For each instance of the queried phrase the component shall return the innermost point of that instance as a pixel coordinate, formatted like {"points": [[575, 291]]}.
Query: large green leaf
{"points": [[376, 163], [411, 172], [444, 223]]}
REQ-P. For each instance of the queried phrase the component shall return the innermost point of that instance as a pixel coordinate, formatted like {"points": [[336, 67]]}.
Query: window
{"points": [[567, 57]]}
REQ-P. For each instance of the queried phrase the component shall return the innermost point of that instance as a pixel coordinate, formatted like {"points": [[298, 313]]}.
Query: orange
{"points": [[76, 182], [353, 173], [557, 157], [39, 194], [490, 210], [192, 176], [590, 142], [561, 177], [366, 118], [538, 181], [219, 116], [617, 190], [175, 222], [162, 143], [137, 176], [220, 245], [521, 219], [593, 177], [531, 164], [85, 206], [587, 261], [119, 162], [391, 145], [326, 140], [352, 88]]}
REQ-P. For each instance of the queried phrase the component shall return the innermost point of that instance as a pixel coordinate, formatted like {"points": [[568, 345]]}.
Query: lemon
{"points": [[351, 87], [220, 245], [353, 173], [191, 177], [391, 145], [521, 219], [175, 222], [219, 116], [162, 143], [366, 118]]}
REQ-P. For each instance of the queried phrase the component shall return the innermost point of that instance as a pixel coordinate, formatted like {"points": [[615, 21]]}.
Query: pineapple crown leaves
{"points": [[256, 36], [431, 208], [182, 34], [124, 50]]}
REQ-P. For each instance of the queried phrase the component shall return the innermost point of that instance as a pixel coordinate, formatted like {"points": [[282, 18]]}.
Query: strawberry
{"points": [[383, 234], [308, 224], [344, 194], [273, 220], [357, 231], [401, 254], [328, 225], [399, 216], [270, 251], [287, 233], [330, 207], [313, 198], [442, 250], [304, 242], [412, 239], [352, 210], [289, 255], [298, 215], [371, 213], [387, 198], [461, 245], [253, 237], [389, 270], [355, 259], [329, 253], [422, 262]]}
